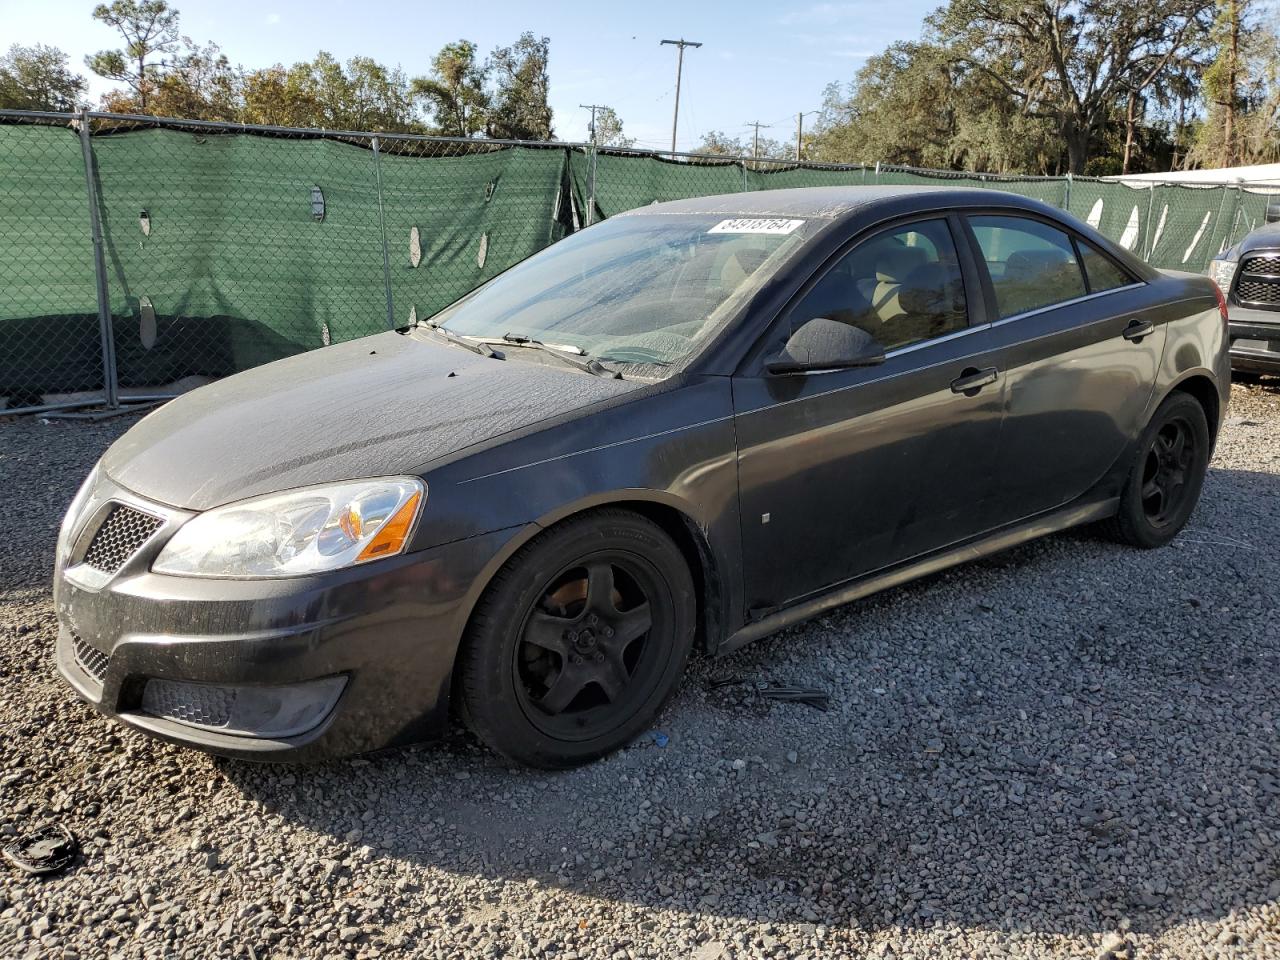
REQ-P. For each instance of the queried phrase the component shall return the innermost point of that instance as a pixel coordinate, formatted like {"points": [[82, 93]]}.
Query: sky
{"points": [[760, 61]]}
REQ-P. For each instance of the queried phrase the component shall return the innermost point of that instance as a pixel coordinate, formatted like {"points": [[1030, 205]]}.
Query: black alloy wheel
{"points": [[578, 641], [1167, 471], [584, 659], [1164, 484]]}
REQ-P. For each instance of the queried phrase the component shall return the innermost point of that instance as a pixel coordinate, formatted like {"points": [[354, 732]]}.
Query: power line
{"points": [[679, 45]]}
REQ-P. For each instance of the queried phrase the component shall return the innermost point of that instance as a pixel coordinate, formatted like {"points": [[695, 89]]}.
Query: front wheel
{"points": [[1163, 485], [578, 641]]}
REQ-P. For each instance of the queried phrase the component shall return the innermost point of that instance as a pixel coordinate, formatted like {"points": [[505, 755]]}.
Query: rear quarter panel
{"points": [[1196, 342]]}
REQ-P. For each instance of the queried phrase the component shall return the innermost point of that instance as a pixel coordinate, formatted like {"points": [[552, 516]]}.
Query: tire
{"points": [[578, 641], [1163, 486]]}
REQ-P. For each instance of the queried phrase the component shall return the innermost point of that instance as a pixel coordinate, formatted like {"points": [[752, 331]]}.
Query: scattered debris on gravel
{"points": [[1069, 750]]}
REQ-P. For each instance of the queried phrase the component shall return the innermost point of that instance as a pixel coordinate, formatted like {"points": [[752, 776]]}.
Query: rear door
{"points": [[844, 472], [1080, 355]]}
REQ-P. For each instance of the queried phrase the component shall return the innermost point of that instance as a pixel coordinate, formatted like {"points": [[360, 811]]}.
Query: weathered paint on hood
{"points": [[382, 405]]}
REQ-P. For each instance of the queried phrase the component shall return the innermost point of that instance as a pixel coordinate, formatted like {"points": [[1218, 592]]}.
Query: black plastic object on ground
{"points": [[810, 696], [807, 695], [48, 849]]}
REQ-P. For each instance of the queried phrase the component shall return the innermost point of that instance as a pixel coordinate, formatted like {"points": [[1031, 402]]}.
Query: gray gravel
{"points": [[1070, 750]]}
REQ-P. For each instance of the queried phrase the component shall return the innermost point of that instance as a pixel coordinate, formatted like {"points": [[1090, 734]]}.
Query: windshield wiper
{"points": [[573, 356], [474, 346]]}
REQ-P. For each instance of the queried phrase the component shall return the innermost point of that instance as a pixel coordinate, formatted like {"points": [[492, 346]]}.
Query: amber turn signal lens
{"points": [[391, 538]]}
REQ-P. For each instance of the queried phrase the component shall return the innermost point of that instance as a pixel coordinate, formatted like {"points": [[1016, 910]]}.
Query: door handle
{"points": [[971, 380], [1137, 329]]}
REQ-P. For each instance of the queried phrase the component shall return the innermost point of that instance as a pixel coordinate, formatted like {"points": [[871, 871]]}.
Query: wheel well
{"points": [[1203, 389], [697, 554]]}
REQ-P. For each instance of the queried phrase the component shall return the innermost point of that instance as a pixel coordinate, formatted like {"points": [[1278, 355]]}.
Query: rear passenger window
{"points": [[901, 286], [1032, 265], [1102, 273]]}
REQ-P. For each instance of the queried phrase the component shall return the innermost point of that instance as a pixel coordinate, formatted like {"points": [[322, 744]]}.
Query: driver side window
{"points": [[901, 286]]}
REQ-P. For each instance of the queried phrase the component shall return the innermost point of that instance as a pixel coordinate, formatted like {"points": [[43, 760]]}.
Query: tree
{"points": [[913, 105], [279, 96], [359, 95], [198, 84], [1222, 81], [520, 109], [38, 78], [717, 143], [1241, 91], [455, 91], [150, 30], [607, 131], [1069, 62]]}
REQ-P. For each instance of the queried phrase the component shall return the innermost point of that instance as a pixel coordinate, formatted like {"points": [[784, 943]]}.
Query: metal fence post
{"points": [[105, 327], [591, 200], [877, 172], [1151, 202], [382, 228], [1066, 194]]}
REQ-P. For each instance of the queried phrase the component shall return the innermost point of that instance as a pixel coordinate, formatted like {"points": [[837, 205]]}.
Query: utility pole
{"points": [[679, 45], [591, 127], [755, 140], [591, 132], [800, 128]]}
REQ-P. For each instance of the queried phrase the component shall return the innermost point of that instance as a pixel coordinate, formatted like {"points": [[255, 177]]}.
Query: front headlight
{"points": [[310, 530], [1222, 272], [73, 514]]}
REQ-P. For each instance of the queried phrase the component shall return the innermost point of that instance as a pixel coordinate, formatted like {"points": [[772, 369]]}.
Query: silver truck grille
{"points": [[1259, 281]]}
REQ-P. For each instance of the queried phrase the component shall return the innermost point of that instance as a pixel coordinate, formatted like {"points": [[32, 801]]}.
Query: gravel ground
{"points": [[1069, 750]]}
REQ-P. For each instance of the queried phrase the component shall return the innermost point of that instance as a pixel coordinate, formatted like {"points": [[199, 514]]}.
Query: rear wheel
{"points": [[578, 641], [1164, 483]]}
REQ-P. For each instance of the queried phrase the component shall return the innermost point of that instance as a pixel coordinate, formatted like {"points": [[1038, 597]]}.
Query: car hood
{"points": [[383, 405]]}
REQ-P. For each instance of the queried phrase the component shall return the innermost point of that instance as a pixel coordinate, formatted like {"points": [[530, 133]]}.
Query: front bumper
{"points": [[1255, 340], [390, 629]]}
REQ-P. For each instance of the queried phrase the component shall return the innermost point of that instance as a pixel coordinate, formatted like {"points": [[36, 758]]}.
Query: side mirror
{"points": [[822, 344]]}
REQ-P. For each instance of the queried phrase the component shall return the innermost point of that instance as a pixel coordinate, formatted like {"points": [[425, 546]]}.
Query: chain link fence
{"points": [[141, 256]]}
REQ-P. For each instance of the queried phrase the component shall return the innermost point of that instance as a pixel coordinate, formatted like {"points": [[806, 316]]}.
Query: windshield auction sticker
{"points": [[770, 225]]}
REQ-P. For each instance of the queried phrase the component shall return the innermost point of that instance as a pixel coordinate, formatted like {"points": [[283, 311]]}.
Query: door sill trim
{"points": [[1054, 522]]}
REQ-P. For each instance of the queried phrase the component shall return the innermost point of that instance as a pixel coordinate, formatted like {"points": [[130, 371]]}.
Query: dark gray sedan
{"points": [[681, 429]]}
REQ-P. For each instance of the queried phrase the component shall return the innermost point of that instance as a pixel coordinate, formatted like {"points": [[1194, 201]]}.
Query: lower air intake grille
{"points": [[1256, 290], [198, 703], [92, 660], [121, 535]]}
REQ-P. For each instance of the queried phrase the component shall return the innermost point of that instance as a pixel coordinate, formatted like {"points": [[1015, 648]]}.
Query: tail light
{"points": [[1222, 304]]}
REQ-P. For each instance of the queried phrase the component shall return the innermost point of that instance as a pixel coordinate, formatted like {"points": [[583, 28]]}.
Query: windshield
{"points": [[644, 289]]}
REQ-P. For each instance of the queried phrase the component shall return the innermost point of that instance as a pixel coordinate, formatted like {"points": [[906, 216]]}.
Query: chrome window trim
{"points": [[1063, 303], [920, 344]]}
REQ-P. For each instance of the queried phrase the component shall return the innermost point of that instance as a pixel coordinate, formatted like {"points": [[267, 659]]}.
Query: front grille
{"points": [[92, 660], [120, 536], [1264, 292], [1259, 283], [198, 703], [1268, 264]]}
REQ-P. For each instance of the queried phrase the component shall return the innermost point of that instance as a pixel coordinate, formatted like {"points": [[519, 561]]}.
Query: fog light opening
{"points": [[276, 711]]}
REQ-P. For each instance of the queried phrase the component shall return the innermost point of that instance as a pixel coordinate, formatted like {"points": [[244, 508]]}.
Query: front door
{"points": [[845, 472]]}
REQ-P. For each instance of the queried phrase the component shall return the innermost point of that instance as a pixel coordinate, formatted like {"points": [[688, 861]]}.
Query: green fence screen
{"points": [[226, 247]]}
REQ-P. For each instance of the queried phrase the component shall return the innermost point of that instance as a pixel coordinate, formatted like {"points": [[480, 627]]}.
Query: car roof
{"points": [[835, 203]]}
